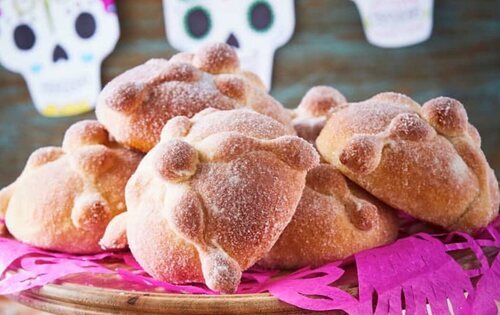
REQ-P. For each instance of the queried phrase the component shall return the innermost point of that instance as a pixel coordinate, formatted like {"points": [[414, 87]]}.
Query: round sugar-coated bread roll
{"points": [[66, 196], [314, 110], [425, 160], [213, 196], [136, 105], [335, 219]]}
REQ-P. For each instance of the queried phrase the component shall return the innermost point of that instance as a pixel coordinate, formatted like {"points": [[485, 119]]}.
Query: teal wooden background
{"points": [[461, 60]]}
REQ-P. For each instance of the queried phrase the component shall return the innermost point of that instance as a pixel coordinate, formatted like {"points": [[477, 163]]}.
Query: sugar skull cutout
{"points": [[58, 47], [396, 23], [256, 28]]}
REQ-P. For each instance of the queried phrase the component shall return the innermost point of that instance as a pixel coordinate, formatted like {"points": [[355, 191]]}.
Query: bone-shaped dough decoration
{"points": [[425, 160], [335, 219], [213, 196], [136, 105], [65, 196]]}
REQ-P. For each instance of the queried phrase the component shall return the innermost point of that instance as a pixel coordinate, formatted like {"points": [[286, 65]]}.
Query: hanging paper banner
{"points": [[58, 47], [256, 28], [396, 23]]}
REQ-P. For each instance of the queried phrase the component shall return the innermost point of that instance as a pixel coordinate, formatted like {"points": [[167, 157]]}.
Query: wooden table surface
{"points": [[8, 307], [461, 60]]}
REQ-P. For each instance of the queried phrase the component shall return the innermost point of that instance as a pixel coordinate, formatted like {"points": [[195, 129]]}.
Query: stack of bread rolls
{"points": [[202, 174]]}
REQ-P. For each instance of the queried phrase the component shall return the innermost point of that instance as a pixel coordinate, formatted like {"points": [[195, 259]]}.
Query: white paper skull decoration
{"points": [[256, 28], [396, 23], [58, 47]]}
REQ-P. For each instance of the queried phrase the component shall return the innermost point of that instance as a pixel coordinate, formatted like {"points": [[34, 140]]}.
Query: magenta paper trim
{"points": [[488, 290], [417, 267], [109, 5]]}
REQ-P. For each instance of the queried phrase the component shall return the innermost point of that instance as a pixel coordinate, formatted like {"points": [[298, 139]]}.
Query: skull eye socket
{"points": [[197, 22], [24, 37], [260, 16], [85, 25]]}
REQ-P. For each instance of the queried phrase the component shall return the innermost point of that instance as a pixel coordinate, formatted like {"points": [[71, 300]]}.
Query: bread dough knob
{"points": [[221, 272], [89, 211], [446, 115], [410, 126], [175, 160], [362, 154]]}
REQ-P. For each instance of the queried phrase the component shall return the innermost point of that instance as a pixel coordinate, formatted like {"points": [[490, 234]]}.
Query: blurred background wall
{"points": [[461, 60]]}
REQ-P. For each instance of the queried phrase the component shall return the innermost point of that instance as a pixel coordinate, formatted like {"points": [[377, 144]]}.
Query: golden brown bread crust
{"points": [[334, 220], [315, 108], [136, 105], [65, 196], [213, 196], [424, 160], [5, 195]]}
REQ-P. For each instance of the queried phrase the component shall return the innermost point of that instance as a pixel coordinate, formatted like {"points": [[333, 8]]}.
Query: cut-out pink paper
{"points": [[301, 290], [31, 267], [488, 290], [418, 268]]}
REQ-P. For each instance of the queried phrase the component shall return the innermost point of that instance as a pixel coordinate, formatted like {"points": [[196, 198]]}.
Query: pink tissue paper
{"points": [[416, 273]]}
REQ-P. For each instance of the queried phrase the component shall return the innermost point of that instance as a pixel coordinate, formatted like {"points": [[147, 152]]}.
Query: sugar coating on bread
{"points": [[425, 160], [334, 219], [314, 110], [217, 58], [220, 187], [135, 106], [65, 196]]}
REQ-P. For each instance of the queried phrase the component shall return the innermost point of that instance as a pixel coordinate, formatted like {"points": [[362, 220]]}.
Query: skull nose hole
{"points": [[233, 41], [59, 53]]}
